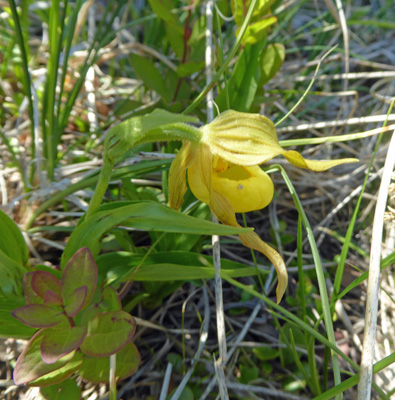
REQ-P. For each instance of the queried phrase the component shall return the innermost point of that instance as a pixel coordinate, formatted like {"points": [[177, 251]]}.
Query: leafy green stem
{"points": [[101, 187]]}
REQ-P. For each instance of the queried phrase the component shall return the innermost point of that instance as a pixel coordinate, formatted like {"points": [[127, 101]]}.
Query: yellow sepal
{"points": [[177, 175], [200, 174], [251, 139]]}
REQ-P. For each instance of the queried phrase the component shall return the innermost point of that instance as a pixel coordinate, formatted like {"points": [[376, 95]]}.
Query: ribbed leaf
{"points": [[144, 215]]}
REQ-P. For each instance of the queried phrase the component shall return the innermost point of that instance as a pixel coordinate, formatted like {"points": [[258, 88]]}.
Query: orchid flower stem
{"points": [[101, 187], [319, 271]]}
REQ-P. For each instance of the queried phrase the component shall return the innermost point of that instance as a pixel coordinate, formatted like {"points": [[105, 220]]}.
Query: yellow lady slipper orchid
{"points": [[223, 172]]}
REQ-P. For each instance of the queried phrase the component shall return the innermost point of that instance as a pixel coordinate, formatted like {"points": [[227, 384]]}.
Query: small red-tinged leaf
{"points": [[67, 390], [76, 301], [43, 281], [59, 342], [80, 271], [30, 295], [60, 374], [52, 298], [39, 315], [30, 366], [97, 370], [108, 333]]}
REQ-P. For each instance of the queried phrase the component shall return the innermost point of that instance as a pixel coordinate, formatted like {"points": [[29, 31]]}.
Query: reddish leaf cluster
{"points": [[77, 320]]}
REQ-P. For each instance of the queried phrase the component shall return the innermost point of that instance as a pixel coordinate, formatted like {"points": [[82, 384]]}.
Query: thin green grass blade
{"points": [[302, 288], [353, 381], [91, 180], [221, 58], [299, 364], [27, 81], [350, 230], [327, 315], [314, 378], [15, 159], [385, 263], [223, 67], [287, 316], [103, 34], [336, 139], [48, 127], [67, 38]]}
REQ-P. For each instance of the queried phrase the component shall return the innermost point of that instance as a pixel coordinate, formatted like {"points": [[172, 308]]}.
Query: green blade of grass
{"points": [[27, 80], [223, 67], [286, 315], [49, 130], [350, 230], [132, 170], [327, 315], [67, 37], [350, 382]]}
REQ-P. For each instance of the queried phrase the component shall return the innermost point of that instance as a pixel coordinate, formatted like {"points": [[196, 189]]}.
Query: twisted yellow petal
{"points": [[315, 165], [223, 210]]}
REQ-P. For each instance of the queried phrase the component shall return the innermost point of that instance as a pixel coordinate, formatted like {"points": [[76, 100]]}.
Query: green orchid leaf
{"points": [[39, 315], [80, 271], [76, 301], [61, 373], [257, 31], [143, 215], [272, 59], [97, 370], [11, 275], [240, 7], [30, 366], [162, 8], [42, 281], [149, 74], [11, 327], [166, 266], [13, 256], [189, 68], [108, 333], [244, 79], [58, 342], [12, 242], [67, 390], [173, 26]]}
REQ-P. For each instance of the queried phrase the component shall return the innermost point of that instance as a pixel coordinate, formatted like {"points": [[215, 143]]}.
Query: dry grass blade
{"points": [[365, 380]]}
